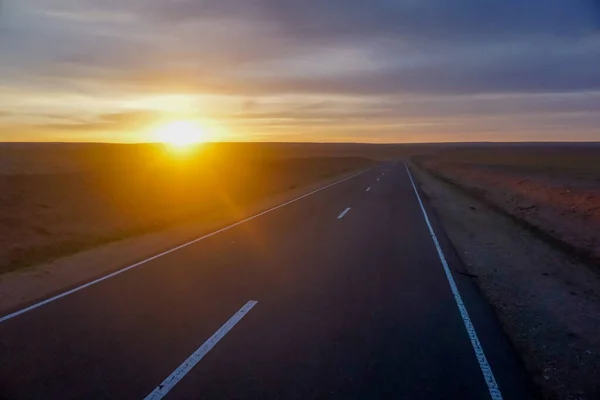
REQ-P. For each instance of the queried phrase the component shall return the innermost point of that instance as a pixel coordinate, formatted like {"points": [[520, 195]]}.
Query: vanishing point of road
{"points": [[352, 291]]}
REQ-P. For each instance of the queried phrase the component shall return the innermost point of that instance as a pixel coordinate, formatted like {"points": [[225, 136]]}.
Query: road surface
{"points": [[351, 292]]}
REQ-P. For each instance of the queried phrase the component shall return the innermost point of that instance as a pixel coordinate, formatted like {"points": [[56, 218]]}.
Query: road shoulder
{"points": [[548, 303]]}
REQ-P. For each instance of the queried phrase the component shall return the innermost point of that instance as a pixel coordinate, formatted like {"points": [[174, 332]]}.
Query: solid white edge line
{"points": [[483, 363], [165, 387], [343, 213], [105, 277]]}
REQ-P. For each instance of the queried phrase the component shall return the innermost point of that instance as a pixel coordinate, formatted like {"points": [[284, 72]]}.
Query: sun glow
{"points": [[181, 133]]}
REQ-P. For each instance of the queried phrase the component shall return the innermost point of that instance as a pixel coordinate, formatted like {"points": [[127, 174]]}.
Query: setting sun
{"points": [[182, 133]]}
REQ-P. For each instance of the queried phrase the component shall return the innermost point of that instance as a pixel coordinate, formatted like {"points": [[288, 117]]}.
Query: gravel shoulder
{"points": [[547, 301]]}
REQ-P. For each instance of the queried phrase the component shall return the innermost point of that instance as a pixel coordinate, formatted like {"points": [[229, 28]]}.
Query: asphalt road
{"points": [[341, 294]]}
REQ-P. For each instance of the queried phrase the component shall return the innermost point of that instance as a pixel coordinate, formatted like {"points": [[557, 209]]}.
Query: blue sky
{"points": [[338, 70]]}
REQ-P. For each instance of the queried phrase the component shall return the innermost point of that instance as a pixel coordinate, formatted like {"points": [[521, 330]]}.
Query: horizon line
{"points": [[308, 142]]}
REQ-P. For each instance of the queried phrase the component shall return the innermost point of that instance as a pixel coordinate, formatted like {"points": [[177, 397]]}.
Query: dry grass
{"points": [[58, 199], [554, 189], [561, 160]]}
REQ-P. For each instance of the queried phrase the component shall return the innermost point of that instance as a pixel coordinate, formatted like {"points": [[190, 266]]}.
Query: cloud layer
{"points": [[309, 70]]}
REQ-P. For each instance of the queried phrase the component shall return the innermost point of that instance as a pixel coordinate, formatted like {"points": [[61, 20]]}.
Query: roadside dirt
{"points": [[68, 203], [565, 208], [26, 286], [547, 301]]}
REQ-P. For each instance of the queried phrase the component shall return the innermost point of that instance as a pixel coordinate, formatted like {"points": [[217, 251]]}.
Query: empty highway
{"points": [[350, 292]]}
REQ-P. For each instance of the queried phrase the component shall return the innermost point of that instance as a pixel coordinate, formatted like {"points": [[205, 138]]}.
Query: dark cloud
{"points": [[438, 20], [467, 46], [425, 46], [512, 75]]}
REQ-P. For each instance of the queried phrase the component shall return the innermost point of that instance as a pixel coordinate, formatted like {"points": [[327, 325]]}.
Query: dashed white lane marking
{"points": [[377, 179], [369, 188], [105, 277], [181, 371], [488, 375], [344, 213]]}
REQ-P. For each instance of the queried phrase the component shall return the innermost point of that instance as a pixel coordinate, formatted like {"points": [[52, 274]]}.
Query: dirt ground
{"points": [[58, 200], [547, 300], [556, 191]]}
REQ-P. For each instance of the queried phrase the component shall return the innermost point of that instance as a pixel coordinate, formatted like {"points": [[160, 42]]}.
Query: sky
{"points": [[301, 70]]}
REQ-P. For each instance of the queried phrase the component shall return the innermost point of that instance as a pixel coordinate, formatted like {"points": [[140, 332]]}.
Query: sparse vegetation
{"points": [[551, 190], [57, 199]]}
